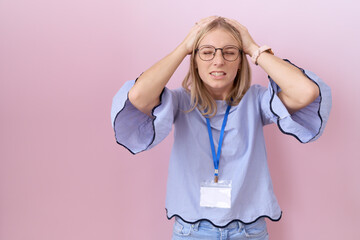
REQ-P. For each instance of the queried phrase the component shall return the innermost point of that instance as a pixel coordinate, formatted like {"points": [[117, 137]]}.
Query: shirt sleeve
{"points": [[307, 124], [137, 131]]}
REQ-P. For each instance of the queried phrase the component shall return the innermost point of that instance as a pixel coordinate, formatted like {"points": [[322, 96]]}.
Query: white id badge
{"points": [[216, 195]]}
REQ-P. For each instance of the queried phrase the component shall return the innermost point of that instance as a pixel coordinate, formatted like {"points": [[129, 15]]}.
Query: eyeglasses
{"points": [[207, 52]]}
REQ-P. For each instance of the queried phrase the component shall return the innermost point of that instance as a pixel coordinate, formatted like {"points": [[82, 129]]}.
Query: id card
{"points": [[215, 195]]}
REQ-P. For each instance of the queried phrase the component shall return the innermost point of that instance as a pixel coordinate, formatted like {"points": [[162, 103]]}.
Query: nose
{"points": [[218, 58]]}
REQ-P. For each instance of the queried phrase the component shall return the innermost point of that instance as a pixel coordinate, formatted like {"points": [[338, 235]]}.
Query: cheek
{"points": [[233, 71], [202, 70]]}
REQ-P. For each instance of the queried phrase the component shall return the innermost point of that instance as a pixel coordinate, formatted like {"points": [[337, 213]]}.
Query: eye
{"points": [[208, 52], [229, 53]]}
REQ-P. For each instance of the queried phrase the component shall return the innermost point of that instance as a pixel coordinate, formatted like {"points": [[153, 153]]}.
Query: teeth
{"points": [[217, 73]]}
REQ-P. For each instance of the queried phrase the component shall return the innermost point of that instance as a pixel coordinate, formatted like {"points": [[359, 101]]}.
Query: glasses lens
{"points": [[231, 53], [206, 53]]}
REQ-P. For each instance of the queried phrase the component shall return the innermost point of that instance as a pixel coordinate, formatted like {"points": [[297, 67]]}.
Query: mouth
{"points": [[217, 73]]}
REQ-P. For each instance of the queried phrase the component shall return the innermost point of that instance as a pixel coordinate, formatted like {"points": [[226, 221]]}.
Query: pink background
{"points": [[62, 175]]}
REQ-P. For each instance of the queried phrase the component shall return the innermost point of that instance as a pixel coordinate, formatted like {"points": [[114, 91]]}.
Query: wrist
{"points": [[253, 49], [255, 55], [183, 49]]}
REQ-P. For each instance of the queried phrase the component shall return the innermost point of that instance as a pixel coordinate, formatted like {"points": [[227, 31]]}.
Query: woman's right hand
{"points": [[190, 38], [145, 94]]}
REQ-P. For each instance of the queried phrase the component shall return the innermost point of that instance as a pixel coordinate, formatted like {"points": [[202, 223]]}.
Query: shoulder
{"points": [[250, 101], [178, 97], [255, 90], [179, 93]]}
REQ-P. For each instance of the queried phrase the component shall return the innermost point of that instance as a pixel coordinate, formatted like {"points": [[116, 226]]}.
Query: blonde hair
{"points": [[200, 96]]}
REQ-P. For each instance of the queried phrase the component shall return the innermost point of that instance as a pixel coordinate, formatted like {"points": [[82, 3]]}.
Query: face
{"points": [[218, 74]]}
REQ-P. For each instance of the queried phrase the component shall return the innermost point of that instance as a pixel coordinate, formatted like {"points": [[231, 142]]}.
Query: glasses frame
{"points": [[221, 49]]}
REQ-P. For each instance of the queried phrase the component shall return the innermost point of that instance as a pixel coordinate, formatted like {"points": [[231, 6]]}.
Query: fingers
{"points": [[203, 22], [206, 20], [189, 40], [235, 23]]}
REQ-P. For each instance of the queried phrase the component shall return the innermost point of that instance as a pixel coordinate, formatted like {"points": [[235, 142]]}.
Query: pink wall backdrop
{"points": [[62, 175]]}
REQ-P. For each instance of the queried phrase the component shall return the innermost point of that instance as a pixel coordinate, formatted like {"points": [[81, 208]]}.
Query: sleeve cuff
{"points": [[308, 123], [135, 130]]}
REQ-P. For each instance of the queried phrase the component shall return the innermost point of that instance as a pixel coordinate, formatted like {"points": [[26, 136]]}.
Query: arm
{"points": [[297, 91], [144, 95]]}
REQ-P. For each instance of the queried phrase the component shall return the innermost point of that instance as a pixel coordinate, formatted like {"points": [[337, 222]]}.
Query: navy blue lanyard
{"points": [[216, 157]]}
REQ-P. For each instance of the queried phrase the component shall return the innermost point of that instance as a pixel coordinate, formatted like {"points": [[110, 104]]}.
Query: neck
{"points": [[218, 94]]}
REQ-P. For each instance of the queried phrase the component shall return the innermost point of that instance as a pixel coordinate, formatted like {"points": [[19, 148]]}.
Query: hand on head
{"points": [[190, 38], [249, 45]]}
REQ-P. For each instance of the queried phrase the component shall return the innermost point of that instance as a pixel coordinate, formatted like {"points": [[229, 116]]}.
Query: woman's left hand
{"points": [[249, 45]]}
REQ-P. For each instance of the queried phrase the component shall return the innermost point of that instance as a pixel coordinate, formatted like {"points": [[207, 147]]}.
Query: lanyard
{"points": [[216, 157]]}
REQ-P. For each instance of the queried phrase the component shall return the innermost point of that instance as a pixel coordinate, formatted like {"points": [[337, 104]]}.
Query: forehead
{"points": [[218, 37]]}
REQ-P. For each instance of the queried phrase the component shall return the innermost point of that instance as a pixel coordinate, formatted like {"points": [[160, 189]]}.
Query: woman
{"points": [[219, 185]]}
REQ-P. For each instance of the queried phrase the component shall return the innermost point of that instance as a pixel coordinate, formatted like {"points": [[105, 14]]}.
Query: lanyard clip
{"points": [[216, 178]]}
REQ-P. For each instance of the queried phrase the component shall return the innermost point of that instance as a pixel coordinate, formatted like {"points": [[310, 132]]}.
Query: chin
{"points": [[218, 87]]}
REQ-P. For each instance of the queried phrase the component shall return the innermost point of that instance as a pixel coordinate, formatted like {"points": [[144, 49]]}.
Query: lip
{"points": [[217, 77]]}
